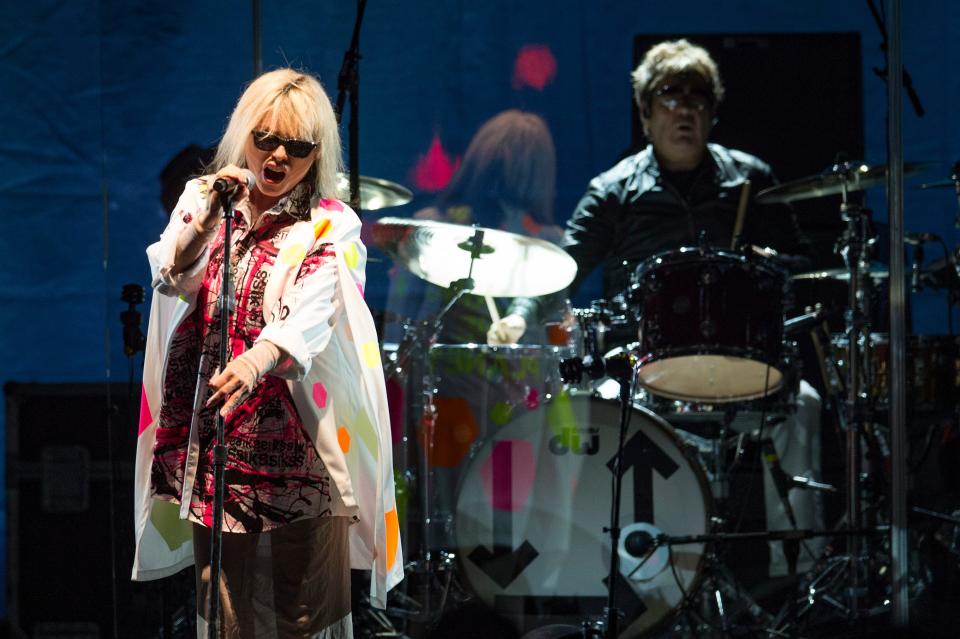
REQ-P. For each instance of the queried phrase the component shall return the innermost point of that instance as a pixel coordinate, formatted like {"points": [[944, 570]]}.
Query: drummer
{"points": [[666, 195], [679, 191]]}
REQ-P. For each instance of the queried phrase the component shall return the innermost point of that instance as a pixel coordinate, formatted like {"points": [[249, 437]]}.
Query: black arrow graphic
{"points": [[644, 456], [627, 600], [505, 563]]}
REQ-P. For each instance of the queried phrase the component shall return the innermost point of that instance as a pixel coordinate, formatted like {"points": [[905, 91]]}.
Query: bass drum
{"points": [[536, 497]]}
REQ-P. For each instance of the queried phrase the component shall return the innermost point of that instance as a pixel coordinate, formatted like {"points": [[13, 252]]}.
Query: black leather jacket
{"points": [[635, 210]]}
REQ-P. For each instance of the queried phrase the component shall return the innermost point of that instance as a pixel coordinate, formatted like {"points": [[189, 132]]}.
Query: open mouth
{"points": [[271, 176]]}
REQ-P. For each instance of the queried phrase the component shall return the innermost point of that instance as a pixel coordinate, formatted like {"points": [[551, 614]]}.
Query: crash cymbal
{"points": [[375, 193], [858, 178], [509, 265], [877, 271]]}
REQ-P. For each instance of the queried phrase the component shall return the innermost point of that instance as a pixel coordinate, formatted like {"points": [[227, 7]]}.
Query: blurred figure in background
{"points": [[507, 181]]}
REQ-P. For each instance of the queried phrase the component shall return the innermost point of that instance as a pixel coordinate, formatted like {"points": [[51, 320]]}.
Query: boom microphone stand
{"points": [[348, 82]]}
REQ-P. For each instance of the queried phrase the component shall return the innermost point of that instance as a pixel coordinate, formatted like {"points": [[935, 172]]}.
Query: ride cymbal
{"points": [[509, 265], [856, 177]]}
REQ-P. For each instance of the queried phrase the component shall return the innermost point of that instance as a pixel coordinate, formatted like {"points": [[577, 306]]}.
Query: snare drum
{"points": [[534, 501], [711, 325]]}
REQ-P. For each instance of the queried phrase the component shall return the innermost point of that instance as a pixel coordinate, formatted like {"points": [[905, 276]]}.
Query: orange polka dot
{"points": [[343, 437], [321, 228], [393, 536]]}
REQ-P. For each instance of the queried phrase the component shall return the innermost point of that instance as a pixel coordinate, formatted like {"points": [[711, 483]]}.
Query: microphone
{"points": [[228, 186], [802, 322], [639, 543]]}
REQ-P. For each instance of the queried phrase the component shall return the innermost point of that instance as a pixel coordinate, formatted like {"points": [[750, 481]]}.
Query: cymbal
{"points": [[877, 271], [830, 182], [510, 265], [375, 193]]}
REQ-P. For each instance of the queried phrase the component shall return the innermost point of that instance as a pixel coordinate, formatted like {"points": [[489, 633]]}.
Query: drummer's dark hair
{"points": [[511, 161], [669, 59]]}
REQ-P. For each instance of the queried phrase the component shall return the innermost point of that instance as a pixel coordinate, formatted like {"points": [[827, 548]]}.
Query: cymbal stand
{"points": [[855, 246], [418, 339]]}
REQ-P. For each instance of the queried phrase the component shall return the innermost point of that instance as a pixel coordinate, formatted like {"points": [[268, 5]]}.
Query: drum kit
{"points": [[520, 468]]}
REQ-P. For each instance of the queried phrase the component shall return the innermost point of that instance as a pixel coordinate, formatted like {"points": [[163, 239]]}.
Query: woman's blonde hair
{"points": [[297, 102]]}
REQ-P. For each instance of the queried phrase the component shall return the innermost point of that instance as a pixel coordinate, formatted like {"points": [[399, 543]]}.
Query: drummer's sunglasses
{"points": [[269, 141], [672, 97]]}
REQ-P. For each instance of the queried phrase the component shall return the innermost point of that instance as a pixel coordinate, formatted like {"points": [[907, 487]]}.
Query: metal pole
{"points": [[898, 502]]}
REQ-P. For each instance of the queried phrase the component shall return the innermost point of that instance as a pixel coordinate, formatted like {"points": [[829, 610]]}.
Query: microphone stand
{"points": [[220, 447], [905, 80], [611, 610], [348, 82]]}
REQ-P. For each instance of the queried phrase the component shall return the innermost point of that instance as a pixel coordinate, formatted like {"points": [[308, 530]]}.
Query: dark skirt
{"points": [[292, 582]]}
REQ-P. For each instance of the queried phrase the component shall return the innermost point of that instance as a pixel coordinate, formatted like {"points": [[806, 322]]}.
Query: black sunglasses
{"points": [[269, 141]]}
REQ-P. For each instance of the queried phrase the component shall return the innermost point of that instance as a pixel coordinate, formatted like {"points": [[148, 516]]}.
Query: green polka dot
{"points": [[402, 492], [560, 414], [500, 413], [165, 517], [364, 429]]}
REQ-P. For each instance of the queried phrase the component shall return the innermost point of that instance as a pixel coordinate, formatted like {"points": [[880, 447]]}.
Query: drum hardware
{"points": [[621, 368], [720, 584], [854, 247]]}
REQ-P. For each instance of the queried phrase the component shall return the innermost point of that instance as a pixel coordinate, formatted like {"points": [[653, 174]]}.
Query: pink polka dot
{"points": [[535, 67], [533, 398], [331, 205], [360, 288], [320, 395], [145, 417]]}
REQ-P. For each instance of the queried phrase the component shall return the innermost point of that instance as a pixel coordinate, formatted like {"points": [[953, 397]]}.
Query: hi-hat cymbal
{"points": [[510, 265], [877, 271], [375, 193], [857, 177]]}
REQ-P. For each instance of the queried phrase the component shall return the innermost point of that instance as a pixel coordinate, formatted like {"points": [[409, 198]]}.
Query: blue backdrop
{"points": [[98, 96]]}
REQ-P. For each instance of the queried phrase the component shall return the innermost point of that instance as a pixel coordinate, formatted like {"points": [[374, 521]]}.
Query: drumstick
{"points": [[492, 308], [741, 213]]}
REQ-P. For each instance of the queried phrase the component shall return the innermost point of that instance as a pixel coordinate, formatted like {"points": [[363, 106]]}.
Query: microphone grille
{"points": [[250, 178]]}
